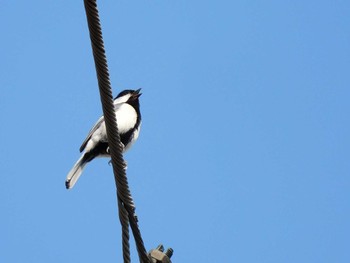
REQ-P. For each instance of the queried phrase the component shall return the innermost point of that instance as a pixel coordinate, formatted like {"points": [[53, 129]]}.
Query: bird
{"points": [[128, 116]]}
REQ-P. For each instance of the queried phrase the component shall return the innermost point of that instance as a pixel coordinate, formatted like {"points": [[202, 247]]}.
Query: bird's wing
{"points": [[126, 118], [93, 129]]}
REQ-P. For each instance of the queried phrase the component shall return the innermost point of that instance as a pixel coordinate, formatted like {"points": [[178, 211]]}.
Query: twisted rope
{"points": [[126, 204], [124, 221]]}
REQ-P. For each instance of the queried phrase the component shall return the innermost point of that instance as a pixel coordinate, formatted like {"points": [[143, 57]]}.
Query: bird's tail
{"points": [[76, 171]]}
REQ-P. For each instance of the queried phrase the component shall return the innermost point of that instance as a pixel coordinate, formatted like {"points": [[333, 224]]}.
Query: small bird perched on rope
{"points": [[127, 111]]}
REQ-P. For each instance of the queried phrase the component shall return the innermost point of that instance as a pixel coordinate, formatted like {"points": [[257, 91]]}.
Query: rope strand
{"points": [[126, 204]]}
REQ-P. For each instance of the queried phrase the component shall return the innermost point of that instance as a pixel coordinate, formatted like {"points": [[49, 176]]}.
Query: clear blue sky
{"points": [[244, 153]]}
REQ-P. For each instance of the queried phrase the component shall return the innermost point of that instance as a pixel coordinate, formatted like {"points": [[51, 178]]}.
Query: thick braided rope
{"points": [[125, 202], [124, 220]]}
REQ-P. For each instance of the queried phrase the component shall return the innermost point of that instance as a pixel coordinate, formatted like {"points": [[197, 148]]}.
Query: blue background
{"points": [[244, 150]]}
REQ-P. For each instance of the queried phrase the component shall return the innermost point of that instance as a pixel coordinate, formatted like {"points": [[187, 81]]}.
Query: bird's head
{"points": [[128, 95]]}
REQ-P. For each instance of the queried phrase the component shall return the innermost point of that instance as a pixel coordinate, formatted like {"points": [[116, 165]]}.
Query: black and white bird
{"points": [[127, 111]]}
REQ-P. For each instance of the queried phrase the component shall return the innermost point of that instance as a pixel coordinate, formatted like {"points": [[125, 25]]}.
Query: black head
{"points": [[129, 94], [131, 97]]}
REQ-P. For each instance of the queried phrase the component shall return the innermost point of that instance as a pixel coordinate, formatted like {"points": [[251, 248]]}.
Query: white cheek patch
{"points": [[122, 99]]}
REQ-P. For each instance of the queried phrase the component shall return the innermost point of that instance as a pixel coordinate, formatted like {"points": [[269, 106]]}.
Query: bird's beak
{"points": [[137, 93]]}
